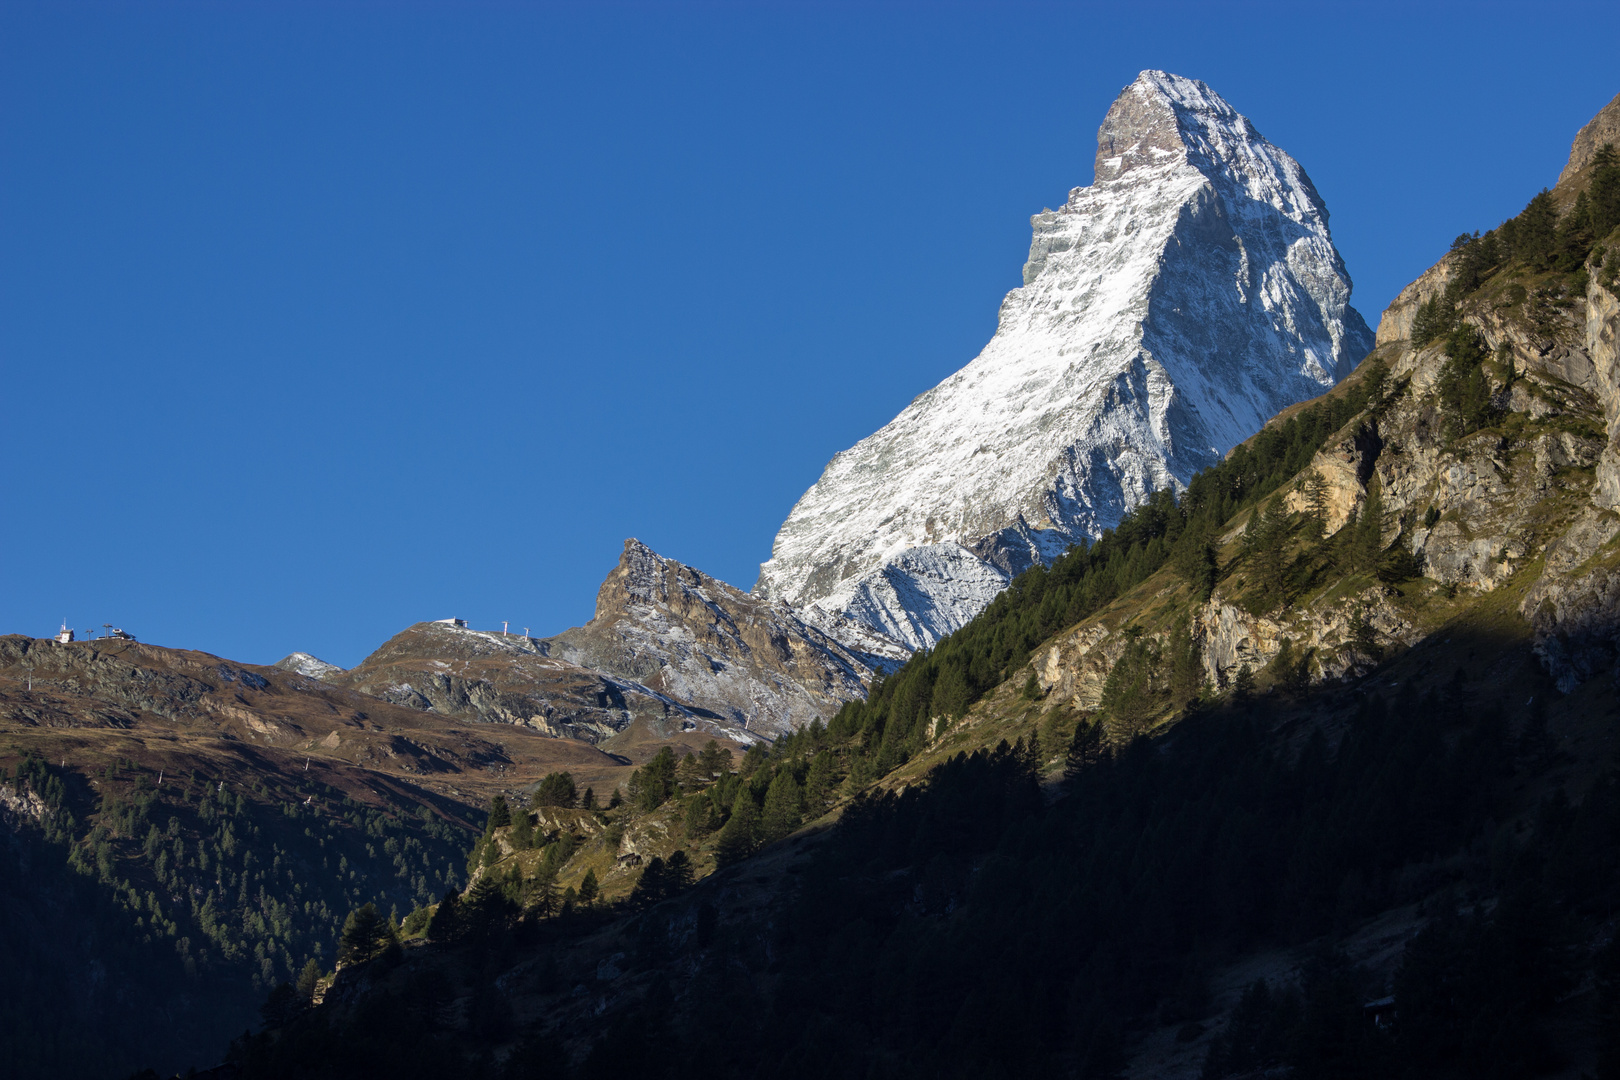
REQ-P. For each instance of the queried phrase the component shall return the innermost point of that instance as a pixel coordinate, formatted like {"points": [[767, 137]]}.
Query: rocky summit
{"points": [[1168, 310], [695, 639]]}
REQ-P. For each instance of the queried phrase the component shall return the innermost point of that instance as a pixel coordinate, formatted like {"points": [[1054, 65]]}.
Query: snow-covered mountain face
{"points": [[1168, 311]]}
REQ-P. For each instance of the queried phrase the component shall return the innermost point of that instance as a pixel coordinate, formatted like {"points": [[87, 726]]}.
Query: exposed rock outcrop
{"points": [[697, 640], [500, 678], [311, 666]]}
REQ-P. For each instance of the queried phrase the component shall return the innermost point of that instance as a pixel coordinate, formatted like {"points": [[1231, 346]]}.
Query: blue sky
{"points": [[320, 319]]}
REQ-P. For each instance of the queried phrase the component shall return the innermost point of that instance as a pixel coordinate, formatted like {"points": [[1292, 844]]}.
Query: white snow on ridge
{"points": [[1168, 310]]}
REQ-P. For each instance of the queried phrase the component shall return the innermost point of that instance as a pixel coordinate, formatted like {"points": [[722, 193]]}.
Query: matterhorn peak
{"points": [[1168, 310]]}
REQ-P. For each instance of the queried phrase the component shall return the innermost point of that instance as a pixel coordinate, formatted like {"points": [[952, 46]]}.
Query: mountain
{"points": [[672, 656], [1307, 769], [698, 640], [1168, 310]]}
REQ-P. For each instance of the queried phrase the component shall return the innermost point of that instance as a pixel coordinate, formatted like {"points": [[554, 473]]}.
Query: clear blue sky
{"points": [[320, 319]]}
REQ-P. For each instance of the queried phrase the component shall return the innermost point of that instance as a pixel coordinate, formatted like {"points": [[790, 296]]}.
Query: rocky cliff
{"points": [[697, 640], [1168, 310]]}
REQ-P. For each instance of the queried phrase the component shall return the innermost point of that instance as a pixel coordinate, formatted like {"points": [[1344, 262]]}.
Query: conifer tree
{"points": [[308, 981], [588, 889], [699, 817], [1264, 539], [540, 894], [679, 871], [499, 814], [1605, 192], [1243, 684], [783, 807], [1575, 234], [653, 884], [716, 760], [522, 830], [1368, 539], [1536, 238], [365, 933], [739, 836], [689, 773], [556, 789], [818, 785], [1085, 749], [280, 1007], [1315, 490], [447, 923], [1032, 687]]}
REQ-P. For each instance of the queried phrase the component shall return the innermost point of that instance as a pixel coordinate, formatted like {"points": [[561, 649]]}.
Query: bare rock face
{"points": [[670, 648], [1167, 312], [695, 639], [1602, 128], [312, 667], [491, 677]]}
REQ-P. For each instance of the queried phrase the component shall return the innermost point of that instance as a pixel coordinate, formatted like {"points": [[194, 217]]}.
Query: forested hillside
{"points": [[159, 915]]}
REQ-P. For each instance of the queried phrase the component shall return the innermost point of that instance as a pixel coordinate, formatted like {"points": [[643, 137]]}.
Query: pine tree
{"points": [[522, 835], [1264, 539], [1243, 685], [1032, 687], [1605, 192], [699, 817], [1194, 558], [309, 980], [499, 814], [738, 837], [1464, 391], [587, 801], [1315, 490], [1434, 319], [679, 871], [818, 785], [1085, 749], [689, 773], [588, 889], [447, 923], [716, 760], [783, 808], [653, 884], [1368, 540], [1575, 234], [556, 789], [280, 1007], [540, 894], [1536, 238], [365, 933]]}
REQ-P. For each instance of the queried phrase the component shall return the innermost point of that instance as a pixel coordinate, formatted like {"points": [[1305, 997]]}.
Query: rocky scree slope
{"points": [[1167, 311]]}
